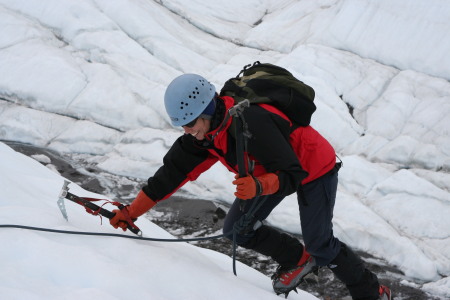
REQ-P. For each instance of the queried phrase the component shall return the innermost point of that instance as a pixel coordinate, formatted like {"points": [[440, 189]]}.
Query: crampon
{"points": [[286, 280]]}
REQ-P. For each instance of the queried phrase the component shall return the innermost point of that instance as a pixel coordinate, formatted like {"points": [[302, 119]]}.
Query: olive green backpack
{"points": [[274, 85]]}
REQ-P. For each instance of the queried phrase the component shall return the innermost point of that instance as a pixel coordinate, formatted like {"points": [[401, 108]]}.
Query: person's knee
{"points": [[228, 224], [226, 229], [242, 235], [241, 239]]}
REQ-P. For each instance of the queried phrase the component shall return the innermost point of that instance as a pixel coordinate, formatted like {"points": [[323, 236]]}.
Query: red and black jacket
{"points": [[296, 154]]}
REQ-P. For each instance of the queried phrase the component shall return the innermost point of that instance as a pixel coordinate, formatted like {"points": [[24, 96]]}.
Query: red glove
{"points": [[249, 187], [138, 207]]}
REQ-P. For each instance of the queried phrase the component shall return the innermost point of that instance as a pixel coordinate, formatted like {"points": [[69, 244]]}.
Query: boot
{"points": [[287, 279]]}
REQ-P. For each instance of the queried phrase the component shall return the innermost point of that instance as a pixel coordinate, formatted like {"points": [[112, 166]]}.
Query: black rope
{"points": [[114, 234]]}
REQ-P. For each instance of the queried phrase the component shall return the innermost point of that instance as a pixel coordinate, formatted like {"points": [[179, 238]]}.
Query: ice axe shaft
{"points": [[242, 134], [65, 194], [86, 203]]}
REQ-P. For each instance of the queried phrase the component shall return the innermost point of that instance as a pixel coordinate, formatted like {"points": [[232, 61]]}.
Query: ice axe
{"points": [[242, 135], [90, 207]]}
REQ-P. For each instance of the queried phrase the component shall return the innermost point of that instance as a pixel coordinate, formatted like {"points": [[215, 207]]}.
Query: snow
{"points": [[88, 78], [38, 265]]}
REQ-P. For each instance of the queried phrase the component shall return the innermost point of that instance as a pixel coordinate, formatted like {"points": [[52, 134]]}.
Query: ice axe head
{"points": [[238, 109], [62, 195]]}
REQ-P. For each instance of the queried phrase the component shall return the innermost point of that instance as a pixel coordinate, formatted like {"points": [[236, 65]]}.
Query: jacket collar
{"points": [[226, 120]]}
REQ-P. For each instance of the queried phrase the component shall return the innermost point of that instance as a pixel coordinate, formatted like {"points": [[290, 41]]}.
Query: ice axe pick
{"points": [[90, 207]]}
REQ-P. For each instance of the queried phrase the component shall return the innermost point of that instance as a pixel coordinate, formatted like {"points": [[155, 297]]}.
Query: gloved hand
{"points": [[249, 187], [138, 207]]}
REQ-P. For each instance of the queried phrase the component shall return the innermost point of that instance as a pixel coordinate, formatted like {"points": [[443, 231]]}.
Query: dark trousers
{"points": [[282, 247], [316, 201]]}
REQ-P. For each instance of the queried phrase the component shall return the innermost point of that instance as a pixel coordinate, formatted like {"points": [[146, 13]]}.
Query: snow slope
{"points": [[38, 265], [87, 78]]}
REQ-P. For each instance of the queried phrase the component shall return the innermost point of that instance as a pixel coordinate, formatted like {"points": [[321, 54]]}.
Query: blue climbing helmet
{"points": [[186, 97]]}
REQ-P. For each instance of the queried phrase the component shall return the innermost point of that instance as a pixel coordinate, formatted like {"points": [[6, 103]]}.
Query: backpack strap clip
{"points": [[246, 67]]}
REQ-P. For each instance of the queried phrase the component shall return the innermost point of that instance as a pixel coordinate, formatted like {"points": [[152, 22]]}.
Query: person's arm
{"points": [[183, 162]]}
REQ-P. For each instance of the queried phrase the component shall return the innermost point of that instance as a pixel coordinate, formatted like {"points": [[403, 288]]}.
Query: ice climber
{"points": [[287, 159]]}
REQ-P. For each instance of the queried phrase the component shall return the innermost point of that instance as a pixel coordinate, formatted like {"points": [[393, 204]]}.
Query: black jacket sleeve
{"points": [[183, 162], [270, 146]]}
